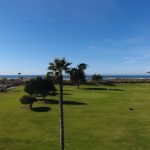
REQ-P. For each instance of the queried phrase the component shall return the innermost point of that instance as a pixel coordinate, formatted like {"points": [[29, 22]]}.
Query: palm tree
{"points": [[58, 67], [19, 74], [82, 66], [77, 75]]}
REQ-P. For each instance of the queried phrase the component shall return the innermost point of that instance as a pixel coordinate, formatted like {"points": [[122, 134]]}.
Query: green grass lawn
{"points": [[96, 118]]}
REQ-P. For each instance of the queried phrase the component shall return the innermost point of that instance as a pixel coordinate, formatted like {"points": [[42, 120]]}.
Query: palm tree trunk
{"points": [[61, 111]]}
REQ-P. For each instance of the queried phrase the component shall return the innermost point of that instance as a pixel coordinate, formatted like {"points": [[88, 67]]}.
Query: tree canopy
{"points": [[28, 100], [97, 77], [40, 86], [77, 75], [58, 66]]}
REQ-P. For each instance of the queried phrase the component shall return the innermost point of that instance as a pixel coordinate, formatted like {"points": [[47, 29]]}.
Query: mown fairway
{"points": [[96, 118]]}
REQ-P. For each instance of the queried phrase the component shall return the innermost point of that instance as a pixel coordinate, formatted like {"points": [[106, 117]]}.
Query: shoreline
{"points": [[88, 77]]}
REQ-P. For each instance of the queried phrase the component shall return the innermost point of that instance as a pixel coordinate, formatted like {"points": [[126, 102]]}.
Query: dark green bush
{"points": [[40, 87], [28, 100]]}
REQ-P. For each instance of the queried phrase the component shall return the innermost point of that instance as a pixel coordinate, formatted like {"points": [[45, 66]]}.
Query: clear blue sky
{"points": [[111, 36]]}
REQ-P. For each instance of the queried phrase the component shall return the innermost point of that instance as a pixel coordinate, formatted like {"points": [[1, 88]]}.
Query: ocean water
{"points": [[66, 77], [127, 76]]}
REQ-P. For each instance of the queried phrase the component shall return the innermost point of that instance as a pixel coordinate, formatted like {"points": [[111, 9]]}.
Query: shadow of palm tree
{"points": [[68, 102], [67, 90], [41, 109], [103, 89]]}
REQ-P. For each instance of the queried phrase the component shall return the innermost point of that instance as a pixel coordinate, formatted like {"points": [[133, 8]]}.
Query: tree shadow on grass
{"points": [[67, 90], [65, 102], [67, 94], [103, 89], [108, 83], [41, 109], [63, 94]]}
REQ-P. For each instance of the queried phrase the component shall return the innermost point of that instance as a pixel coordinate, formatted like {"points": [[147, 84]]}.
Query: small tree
{"points": [[30, 87], [28, 100], [97, 77], [77, 75], [40, 86]]}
